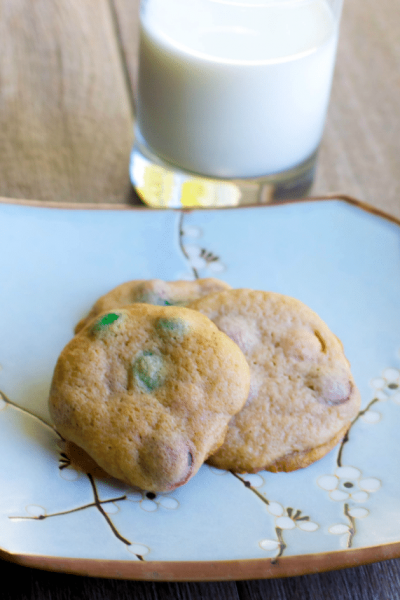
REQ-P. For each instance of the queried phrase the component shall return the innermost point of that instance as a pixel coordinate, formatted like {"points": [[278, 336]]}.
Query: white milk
{"points": [[235, 88]]}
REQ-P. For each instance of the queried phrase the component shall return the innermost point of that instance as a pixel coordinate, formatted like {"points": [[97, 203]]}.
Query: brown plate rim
{"points": [[133, 207], [224, 570]]}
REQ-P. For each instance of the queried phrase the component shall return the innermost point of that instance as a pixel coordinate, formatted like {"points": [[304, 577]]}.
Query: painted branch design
{"points": [[352, 527], [285, 519], [97, 503], [182, 246], [347, 436], [197, 257]]}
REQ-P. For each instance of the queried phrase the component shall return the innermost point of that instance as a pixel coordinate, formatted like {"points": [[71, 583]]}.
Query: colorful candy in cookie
{"points": [[148, 391], [154, 291], [302, 394]]}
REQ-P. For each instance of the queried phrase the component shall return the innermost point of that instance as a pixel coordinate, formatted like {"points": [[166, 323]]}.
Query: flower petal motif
{"points": [[350, 485], [370, 484], [198, 257], [338, 495], [69, 474], [269, 544], [348, 472], [150, 502], [192, 251], [198, 262], [111, 508], [371, 416], [275, 509], [391, 375], [168, 502], [138, 549], [396, 397], [328, 482], [307, 525], [35, 511], [285, 523], [378, 383], [215, 471], [255, 480], [148, 505], [134, 496], [339, 529]]}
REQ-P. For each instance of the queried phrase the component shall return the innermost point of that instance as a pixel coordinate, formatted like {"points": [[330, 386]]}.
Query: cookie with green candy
{"points": [[302, 398], [148, 392], [153, 291]]}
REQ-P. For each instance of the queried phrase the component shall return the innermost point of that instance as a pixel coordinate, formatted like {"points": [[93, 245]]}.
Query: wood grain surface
{"points": [[67, 81], [379, 581], [360, 151], [65, 110]]}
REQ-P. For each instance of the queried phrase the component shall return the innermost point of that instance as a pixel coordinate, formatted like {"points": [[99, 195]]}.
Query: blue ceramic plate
{"points": [[336, 255]]}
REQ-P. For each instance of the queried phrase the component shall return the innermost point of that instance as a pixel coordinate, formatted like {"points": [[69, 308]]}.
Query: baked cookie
{"points": [[302, 395], [154, 291], [148, 391]]}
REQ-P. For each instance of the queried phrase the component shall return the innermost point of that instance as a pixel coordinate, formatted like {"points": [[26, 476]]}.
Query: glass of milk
{"points": [[232, 99]]}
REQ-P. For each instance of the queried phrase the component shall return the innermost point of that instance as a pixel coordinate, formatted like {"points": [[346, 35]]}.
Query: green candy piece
{"points": [[152, 298], [149, 370], [105, 322], [174, 327]]}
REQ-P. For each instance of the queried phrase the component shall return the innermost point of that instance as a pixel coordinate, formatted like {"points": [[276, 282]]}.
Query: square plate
{"points": [[340, 257]]}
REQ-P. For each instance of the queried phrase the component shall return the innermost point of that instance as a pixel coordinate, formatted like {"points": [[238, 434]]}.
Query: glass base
{"points": [[162, 185]]}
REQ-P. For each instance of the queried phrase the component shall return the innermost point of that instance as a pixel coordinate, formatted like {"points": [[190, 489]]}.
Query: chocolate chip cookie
{"points": [[302, 398], [153, 291], [148, 391]]}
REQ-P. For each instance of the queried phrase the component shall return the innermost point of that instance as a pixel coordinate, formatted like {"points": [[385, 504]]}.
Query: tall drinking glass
{"points": [[232, 99]]}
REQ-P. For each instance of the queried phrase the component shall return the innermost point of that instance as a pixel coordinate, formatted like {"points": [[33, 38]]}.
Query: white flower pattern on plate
{"points": [[151, 502], [198, 258], [387, 386], [284, 518], [347, 483]]}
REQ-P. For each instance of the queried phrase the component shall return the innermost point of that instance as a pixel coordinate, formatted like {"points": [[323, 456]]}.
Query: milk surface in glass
{"points": [[235, 88]]}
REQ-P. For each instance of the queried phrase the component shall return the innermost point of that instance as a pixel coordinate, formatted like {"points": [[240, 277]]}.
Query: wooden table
{"points": [[67, 73]]}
